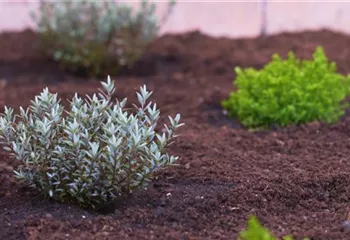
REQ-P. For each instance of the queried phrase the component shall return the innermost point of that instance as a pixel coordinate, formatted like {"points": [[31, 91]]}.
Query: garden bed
{"points": [[296, 180]]}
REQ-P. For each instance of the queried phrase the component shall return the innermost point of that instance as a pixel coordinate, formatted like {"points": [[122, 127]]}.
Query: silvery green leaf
{"points": [[177, 118], [172, 122], [76, 139], [94, 148], [123, 103], [140, 98], [179, 125], [7, 149]]}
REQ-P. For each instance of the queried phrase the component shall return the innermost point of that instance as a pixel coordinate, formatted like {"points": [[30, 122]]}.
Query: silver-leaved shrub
{"points": [[93, 154], [96, 37]]}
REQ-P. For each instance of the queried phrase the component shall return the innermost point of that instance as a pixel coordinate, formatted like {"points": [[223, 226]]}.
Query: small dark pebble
{"points": [[346, 226], [160, 211], [163, 203]]}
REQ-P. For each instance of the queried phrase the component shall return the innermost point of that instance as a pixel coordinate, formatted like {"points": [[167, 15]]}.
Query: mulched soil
{"points": [[296, 180]]}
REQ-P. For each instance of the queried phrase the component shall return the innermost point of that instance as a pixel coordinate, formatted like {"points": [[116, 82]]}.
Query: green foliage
{"points": [[256, 231], [97, 153], [95, 37], [290, 91]]}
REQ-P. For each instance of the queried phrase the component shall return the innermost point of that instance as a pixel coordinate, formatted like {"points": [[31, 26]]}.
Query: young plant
{"points": [[95, 37], [256, 231], [289, 91], [95, 154]]}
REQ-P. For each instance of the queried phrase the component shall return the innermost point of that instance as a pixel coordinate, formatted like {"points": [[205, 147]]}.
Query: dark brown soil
{"points": [[295, 180]]}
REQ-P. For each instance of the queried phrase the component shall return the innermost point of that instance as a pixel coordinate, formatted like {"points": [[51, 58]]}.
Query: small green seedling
{"points": [[256, 231]]}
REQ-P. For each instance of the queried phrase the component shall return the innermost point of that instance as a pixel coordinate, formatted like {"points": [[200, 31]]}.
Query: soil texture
{"points": [[296, 180]]}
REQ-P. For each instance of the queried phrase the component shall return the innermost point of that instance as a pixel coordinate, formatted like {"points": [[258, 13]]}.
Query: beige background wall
{"points": [[219, 18]]}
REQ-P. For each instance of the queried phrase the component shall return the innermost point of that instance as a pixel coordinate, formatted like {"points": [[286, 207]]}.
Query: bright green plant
{"points": [[256, 231], [289, 91], [97, 153], [95, 37]]}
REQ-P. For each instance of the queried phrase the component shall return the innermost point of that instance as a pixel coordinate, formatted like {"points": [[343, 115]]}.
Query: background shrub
{"points": [[290, 91], [96, 37], [97, 153]]}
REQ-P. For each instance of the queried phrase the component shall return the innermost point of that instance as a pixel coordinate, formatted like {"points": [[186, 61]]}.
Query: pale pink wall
{"points": [[216, 18], [219, 18], [292, 16]]}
